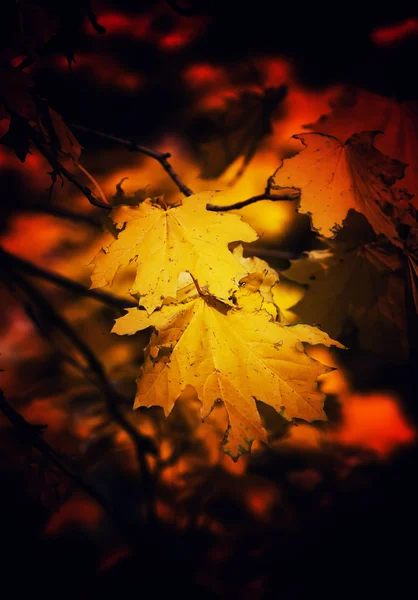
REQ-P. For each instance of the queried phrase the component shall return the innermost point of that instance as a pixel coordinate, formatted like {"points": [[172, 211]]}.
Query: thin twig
{"points": [[286, 194], [94, 182], [69, 284], [142, 444], [60, 169], [82, 188], [161, 157], [30, 433]]}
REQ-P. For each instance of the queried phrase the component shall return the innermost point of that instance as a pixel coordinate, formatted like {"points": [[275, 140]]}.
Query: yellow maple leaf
{"points": [[163, 243], [261, 278], [336, 176], [228, 355]]}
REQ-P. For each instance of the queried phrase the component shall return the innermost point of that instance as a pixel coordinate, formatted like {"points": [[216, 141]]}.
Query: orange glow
{"points": [[122, 24], [202, 76], [217, 85], [105, 70], [111, 559], [175, 41], [274, 71], [375, 422], [393, 34], [261, 499], [34, 170], [35, 237], [78, 511], [145, 28], [43, 412], [304, 436], [372, 422], [306, 479], [4, 128]]}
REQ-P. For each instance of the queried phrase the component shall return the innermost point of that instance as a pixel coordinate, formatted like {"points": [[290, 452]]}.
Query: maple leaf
{"points": [[412, 267], [411, 256], [121, 197], [164, 243], [236, 131], [358, 110], [22, 108], [229, 355], [261, 278], [360, 286], [335, 177], [17, 137], [58, 135]]}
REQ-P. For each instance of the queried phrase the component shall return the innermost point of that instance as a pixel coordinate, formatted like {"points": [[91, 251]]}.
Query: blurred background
{"points": [[222, 86]]}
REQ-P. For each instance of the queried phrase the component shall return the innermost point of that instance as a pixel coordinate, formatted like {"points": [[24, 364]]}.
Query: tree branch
{"points": [[61, 281], [60, 169], [285, 194], [142, 444], [161, 157], [31, 435]]}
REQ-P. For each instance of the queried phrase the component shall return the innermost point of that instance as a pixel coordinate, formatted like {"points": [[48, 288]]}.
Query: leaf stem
{"points": [[285, 194], [161, 157], [141, 443], [61, 281]]}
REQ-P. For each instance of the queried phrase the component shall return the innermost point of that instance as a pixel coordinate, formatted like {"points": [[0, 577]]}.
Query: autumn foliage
{"points": [[251, 295]]}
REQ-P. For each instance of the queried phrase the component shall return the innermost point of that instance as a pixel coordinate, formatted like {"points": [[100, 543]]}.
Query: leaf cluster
{"points": [[216, 326]]}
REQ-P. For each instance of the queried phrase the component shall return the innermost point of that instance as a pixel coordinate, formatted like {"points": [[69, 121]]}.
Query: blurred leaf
{"points": [[236, 131], [356, 110], [335, 177], [360, 285]]}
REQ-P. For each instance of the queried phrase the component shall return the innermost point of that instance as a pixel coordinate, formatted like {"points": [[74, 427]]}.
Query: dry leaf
{"points": [[357, 110], [335, 177], [65, 139], [261, 278], [164, 243], [236, 131], [231, 355], [362, 286]]}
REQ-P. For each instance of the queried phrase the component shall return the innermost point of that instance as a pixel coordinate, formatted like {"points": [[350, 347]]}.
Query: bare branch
{"points": [[94, 182], [285, 194], [60, 169], [73, 179], [141, 443], [31, 435], [61, 281], [161, 157]]}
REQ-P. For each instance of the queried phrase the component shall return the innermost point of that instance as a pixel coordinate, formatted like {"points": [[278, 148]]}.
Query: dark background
{"points": [[326, 44]]}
